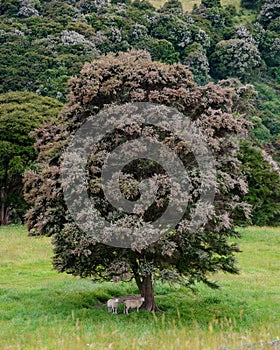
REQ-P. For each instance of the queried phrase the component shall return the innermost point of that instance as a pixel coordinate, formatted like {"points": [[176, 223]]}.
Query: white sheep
{"points": [[112, 305], [132, 304]]}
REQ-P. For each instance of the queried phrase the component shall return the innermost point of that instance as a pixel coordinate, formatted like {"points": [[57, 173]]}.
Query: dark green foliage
{"points": [[269, 11], [143, 5], [270, 49], [179, 33], [274, 25], [269, 113], [196, 60], [120, 1], [211, 3], [159, 49], [20, 113], [172, 6], [9, 7], [236, 58], [252, 4], [264, 185]]}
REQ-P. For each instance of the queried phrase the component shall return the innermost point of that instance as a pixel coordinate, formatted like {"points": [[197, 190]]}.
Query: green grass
{"points": [[188, 4], [41, 309]]}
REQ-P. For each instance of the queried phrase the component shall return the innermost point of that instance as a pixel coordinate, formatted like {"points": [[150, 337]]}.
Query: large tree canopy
{"points": [[181, 255], [20, 113]]}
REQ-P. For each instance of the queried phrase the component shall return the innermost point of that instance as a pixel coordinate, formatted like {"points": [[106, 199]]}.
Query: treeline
{"points": [[44, 43]]}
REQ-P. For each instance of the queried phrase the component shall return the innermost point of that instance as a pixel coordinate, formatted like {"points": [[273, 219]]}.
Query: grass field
{"points": [[188, 4], [41, 309]]}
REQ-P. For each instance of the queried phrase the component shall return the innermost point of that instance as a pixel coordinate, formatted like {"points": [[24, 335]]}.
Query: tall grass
{"points": [[41, 309]]}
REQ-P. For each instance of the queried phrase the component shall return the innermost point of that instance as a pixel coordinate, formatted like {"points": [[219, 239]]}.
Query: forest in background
{"points": [[44, 43]]}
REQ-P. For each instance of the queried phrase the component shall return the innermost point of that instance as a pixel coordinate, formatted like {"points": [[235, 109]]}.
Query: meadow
{"points": [[188, 4], [41, 309]]}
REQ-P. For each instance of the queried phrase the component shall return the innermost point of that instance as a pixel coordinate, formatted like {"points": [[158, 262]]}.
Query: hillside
{"points": [[44, 43]]}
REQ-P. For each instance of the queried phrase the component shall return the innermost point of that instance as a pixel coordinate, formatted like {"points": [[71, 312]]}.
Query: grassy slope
{"points": [[40, 309], [188, 4]]}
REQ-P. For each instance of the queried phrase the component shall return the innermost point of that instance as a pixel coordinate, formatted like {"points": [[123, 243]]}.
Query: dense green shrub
{"points": [[269, 11], [264, 185], [211, 3], [143, 5], [269, 112], [159, 49], [178, 32], [20, 113], [172, 6], [9, 7], [252, 4], [274, 25], [197, 61], [236, 58]]}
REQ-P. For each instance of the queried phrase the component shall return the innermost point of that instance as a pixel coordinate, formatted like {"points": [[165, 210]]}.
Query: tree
{"points": [[197, 62], [184, 254], [160, 50], [172, 6], [269, 11], [143, 5], [252, 4], [9, 7], [211, 3], [235, 58], [263, 178], [20, 113], [180, 33]]}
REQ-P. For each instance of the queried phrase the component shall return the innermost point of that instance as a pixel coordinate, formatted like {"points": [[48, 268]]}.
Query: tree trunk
{"points": [[146, 289], [5, 211], [4, 215]]}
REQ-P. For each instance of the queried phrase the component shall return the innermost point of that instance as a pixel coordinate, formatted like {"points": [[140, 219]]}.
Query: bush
{"points": [[197, 62], [252, 4], [9, 7], [211, 3], [269, 11], [235, 58], [264, 189], [20, 113], [160, 50]]}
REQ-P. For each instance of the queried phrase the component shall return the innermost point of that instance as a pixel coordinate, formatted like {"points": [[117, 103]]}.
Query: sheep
{"points": [[112, 305], [133, 304]]}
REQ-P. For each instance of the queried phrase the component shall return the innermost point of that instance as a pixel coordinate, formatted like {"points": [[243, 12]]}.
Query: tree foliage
{"points": [[269, 12], [263, 176], [211, 3], [235, 58], [20, 113], [252, 4], [179, 256]]}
